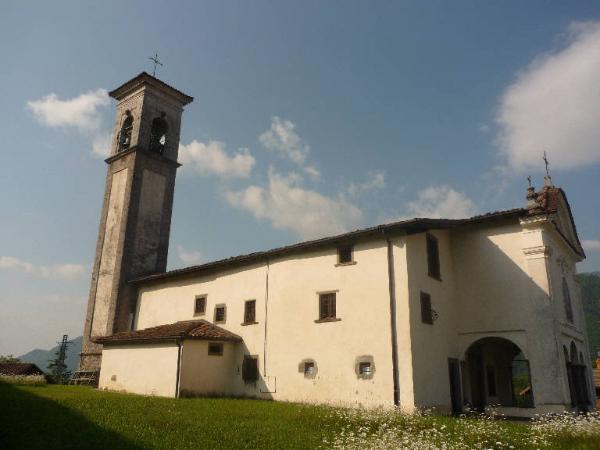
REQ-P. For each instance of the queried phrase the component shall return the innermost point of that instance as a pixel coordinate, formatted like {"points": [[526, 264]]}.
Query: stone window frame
{"points": [[203, 311], [218, 306], [340, 249], [433, 256], [328, 318], [216, 345], [253, 318]]}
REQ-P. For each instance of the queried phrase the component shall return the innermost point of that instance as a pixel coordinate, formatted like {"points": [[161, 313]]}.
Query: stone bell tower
{"points": [[135, 222]]}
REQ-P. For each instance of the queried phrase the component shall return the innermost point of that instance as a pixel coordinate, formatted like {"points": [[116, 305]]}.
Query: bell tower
{"points": [[135, 222]]}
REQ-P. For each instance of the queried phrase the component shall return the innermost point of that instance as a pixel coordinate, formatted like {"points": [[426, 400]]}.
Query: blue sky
{"points": [[309, 118]]}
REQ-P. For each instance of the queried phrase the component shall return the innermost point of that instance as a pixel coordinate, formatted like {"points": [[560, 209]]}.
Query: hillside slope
{"points": [[590, 291]]}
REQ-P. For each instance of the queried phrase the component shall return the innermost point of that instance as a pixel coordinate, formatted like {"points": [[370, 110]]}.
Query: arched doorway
{"points": [[497, 373], [577, 378]]}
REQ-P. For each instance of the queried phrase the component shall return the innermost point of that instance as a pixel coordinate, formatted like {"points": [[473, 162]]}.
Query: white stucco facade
{"points": [[498, 320]]}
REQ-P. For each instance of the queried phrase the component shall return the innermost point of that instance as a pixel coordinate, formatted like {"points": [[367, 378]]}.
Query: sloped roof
{"points": [[19, 368], [187, 329], [145, 78], [411, 226]]}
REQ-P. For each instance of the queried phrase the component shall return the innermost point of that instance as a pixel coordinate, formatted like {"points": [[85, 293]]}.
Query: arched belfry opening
{"points": [[577, 377], [158, 134], [497, 373], [125, 132]]}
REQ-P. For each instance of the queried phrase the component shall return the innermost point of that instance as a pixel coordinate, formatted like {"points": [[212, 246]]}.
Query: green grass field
{"points": [[77, 417]]}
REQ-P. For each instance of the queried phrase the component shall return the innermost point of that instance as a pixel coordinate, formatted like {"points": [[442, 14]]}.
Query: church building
{"points": [[425, 312]]}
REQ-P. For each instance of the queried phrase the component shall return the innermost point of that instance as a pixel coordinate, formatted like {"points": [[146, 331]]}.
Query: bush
{"points": [[23, 379]]}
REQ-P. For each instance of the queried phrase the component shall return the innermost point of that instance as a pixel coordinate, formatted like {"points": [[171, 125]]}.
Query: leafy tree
{"points": [[8, 359]]}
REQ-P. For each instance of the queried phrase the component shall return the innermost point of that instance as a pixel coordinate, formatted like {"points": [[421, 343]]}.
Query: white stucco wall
{"points": [[494, 283], [292, 334], [204, 374], [432, 345], [147, 369]]}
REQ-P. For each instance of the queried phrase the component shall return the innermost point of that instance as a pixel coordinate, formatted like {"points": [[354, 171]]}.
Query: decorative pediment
{"points": [[552, 202]]}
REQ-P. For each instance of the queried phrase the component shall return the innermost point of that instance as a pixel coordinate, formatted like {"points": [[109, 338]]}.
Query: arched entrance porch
{"points": [[496, 372], [576, 375]]}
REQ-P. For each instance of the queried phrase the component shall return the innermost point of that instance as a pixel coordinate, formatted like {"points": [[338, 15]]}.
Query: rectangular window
{"points": [[215, 349], [220, 314], [250, 369], [345, 254], [433, 256], [200, 305], [426, 311], [327, 306], [250, 312]]}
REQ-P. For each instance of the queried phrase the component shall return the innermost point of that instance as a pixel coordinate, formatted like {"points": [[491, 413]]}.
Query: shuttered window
{"points": [[250, 311], [327, 306], [200, 305], [345, 254], [220, 314], [426, 311], [250, 369], [433, 257]]}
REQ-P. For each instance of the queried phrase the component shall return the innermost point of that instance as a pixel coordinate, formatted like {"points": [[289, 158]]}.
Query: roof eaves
{"points": [[411, 226]]}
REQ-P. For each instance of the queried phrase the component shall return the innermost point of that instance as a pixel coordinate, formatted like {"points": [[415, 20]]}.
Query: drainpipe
{"points": [[178, 376], [393, 327], [266, 316]]}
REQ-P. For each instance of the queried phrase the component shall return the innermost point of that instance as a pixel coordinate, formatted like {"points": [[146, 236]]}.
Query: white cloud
{"points": [[441, 202], [375, 180], [80, 112], [282, 137], [212, 158], [188, 256], [289, 206], [101, 144], [554, 106], [64, 271], [590, 245]]}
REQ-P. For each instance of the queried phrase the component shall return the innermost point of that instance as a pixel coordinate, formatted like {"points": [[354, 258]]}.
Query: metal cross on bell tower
{"points": [[156, 62], [547, 178]]}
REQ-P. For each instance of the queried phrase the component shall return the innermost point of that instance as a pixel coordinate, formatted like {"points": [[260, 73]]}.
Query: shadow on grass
{"points": [[28, 421]]}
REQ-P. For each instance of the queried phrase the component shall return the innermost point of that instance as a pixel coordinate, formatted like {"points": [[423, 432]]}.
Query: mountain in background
{"points": [[590, 292], [41, 358]]}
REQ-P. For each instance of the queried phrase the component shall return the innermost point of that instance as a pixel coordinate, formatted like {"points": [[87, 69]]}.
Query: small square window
{"points": [[220, 314], [426, 311], [327, 306], [365, 369], [200, 305], [345, 254], [433, 256], [250, 312], [215, 348], [250, 369]]}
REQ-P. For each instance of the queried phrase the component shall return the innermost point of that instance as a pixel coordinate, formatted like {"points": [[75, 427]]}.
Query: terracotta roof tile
{"points": [[19, 369], [188, 329]]}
